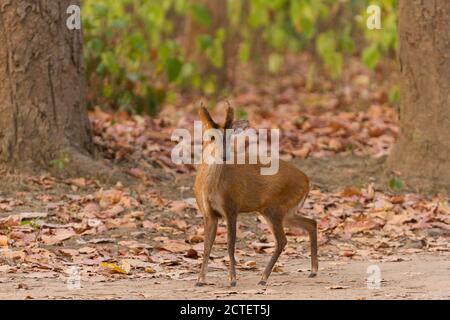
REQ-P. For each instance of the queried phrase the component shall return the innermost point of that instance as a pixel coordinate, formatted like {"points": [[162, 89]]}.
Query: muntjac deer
{"points": [[224, 190]]}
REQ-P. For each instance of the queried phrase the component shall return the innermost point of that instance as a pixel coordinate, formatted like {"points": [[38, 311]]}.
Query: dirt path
{"points": [[416, 277]]}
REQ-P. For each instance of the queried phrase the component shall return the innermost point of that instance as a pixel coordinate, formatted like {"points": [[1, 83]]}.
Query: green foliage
{"points": [[241, 114], [61, 161], [201, 14], [384, 40], [329, 25], [135, 55], [396, 184], [173, 67], [394, 95], [34, 223], [371, 55], [327, 48], [275, 62], [131, 53]]}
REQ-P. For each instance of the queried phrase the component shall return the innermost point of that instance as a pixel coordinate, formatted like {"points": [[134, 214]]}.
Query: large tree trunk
{"points": [[422, 154], [42, 88]]}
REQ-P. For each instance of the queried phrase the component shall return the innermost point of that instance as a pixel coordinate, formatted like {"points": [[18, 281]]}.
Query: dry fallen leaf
{"points": [[398, 199], [10, 221], [146, 224], [87, 250], [79, 182], [196, 239], [137, 173], [13, 255], [33, 215], [350, 192], [22, 286], [3, 241], [174, 246], [277, 269], [250, 264], [150, 270], [109, 197], [178, 206], [260, 246], [136, 263], [68, 252], [225, 293], [115, 268], [5, 268], [370, 192], [57, 236], [335, 144], [192, 253], [337, 287]]}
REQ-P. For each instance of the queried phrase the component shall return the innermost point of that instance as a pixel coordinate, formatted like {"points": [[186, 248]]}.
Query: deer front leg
{"points": [[210, 235], [231, 242]]}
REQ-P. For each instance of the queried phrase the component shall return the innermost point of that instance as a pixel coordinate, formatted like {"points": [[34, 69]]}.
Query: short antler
{"points": [[206, 118], [230, 116]]}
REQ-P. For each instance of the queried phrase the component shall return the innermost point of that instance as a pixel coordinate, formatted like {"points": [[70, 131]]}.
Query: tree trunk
{"points": [[42, 89], [422, 154]]}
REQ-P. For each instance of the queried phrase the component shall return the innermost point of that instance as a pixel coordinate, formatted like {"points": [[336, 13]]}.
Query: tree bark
{"points": [[422, 154], [42, 89]]}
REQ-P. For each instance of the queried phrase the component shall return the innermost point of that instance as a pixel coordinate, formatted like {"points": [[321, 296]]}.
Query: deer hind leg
{"points": [[231, 242], [309, 225], [211, 221], [274, 219]]}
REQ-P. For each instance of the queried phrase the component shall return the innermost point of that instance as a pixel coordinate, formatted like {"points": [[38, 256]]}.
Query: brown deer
{"points": [[224, 190]]}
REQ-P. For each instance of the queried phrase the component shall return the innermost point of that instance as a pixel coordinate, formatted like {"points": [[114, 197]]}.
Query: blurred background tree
{"points": [[139, 53]]}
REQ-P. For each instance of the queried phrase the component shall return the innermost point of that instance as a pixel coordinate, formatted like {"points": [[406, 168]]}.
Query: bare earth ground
{"points": [[423, 276]]}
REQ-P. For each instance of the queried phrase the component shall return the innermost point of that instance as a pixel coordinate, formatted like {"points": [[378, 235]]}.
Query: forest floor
{"points": [[155, 253], [143, 237]]}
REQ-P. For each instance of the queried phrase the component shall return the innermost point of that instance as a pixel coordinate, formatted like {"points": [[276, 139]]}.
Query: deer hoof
{"points": [[262, 283], [199, 284], [312, 275], [233, 283]]}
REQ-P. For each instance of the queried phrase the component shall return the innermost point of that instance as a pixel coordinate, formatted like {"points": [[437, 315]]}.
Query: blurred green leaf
{"points": [[241, 113], [326, 44], [307, 27], [396, 184], [346, 42], [173, 68], [201, 15], [275, 61], [336, 63], [209, 86], [371, 56], [394, 95], [244, 52], [100, 9], [205, 41]]}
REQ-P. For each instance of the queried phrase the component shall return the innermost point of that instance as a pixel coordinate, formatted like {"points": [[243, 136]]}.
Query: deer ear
{"points": [[230, 118], [206, 119]]}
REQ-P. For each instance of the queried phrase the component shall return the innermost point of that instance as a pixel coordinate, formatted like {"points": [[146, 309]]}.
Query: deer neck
{"points": [[213, 174]]}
